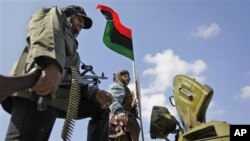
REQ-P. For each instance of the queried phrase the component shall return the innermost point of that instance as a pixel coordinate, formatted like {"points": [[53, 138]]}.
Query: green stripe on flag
{"points": [[115, 46]]}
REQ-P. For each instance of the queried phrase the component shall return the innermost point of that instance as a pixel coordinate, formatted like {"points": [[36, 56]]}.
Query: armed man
{"points": [[123, 118], [52, 47]]}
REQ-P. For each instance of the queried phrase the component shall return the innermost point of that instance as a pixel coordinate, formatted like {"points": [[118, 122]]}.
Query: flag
{"points": [[117, 37]]}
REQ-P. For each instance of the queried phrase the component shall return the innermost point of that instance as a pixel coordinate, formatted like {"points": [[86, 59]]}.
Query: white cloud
{"points": [[207, 32], [152, 100], [165, 66], [245, 93]]}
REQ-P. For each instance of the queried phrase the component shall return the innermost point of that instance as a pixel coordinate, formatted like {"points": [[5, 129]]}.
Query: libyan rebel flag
{"points": [[116, 36]]}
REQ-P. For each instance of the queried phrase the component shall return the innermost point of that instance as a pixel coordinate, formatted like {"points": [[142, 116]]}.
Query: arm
{"points": [[17, 82], [118, 93], [101, 96], [47, 49]]}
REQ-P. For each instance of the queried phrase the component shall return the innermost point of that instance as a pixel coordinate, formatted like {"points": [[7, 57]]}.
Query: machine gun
{"points": [[78, 83], [82, 78], [191, 100], [11, 84], [71, 78]]}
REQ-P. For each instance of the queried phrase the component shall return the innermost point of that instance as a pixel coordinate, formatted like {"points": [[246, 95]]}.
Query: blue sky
{"points": [[206, 39]]}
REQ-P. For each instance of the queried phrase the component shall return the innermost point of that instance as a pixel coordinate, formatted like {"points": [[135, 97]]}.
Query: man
{"points": [[52, 46], [123, 123]]}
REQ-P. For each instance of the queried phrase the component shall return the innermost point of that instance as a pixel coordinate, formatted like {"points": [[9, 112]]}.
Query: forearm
{"points": [[118, 93]]}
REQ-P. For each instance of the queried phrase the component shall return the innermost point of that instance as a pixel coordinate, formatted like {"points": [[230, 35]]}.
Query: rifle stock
{"points": [[10, 84]]}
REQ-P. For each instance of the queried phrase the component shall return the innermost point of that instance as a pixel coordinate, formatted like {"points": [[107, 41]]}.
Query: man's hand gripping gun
{"points": [[83, 78], [11, 84]]}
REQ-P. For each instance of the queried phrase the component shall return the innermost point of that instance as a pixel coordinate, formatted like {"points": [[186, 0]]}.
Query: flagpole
{"points": [[123, 49], [138, 95]]}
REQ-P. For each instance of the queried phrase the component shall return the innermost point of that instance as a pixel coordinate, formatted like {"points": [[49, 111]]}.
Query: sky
{"points": [[208, 40]]}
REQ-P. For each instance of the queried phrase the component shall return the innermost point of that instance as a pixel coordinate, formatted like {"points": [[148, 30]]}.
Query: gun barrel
{"points": [[94, 77]]}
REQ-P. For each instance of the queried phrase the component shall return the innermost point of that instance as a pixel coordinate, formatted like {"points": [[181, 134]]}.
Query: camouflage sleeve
{"points": [[46, 37], [118, 93]]}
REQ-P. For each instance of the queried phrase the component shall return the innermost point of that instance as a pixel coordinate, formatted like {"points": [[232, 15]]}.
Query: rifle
{"points": [[71, 78], [11, 84], [76, 82]]}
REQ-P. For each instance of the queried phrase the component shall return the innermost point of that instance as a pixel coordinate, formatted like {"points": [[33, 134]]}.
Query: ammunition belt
{"points": [[72, 111]]}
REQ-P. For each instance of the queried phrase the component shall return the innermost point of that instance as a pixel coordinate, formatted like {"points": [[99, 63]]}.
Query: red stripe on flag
{"points": [[118, 25]]}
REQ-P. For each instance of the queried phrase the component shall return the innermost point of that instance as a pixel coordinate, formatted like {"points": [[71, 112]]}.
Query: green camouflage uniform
{"points": [[51, 43]]}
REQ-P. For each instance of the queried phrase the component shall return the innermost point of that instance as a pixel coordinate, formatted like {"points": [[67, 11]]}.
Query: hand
{"points": [[48, 81], [104, 98], [122, 118]]}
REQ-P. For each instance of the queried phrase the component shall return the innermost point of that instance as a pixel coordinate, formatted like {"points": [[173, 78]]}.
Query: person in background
{"points": [[52, 47], [123, 117]]}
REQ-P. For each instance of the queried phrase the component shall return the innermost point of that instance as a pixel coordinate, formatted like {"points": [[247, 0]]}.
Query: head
{"points": [[122, 76], [78, 18]]}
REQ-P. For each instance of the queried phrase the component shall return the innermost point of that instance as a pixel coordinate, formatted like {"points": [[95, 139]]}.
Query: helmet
{"points": [[162, 123], [77, 10]]}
